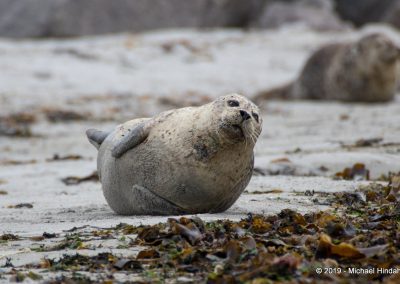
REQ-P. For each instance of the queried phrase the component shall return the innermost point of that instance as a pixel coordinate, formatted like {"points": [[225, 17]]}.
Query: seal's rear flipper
{"points": [[132, 139], [141, 201], [96, 137]]}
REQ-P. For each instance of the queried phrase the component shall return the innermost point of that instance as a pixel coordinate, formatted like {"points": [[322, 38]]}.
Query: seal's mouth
{"points": [[238, 130], [391, 55]]}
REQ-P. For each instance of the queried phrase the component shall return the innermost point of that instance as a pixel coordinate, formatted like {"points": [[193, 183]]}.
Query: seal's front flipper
{"points": [[131, 139], [96, 137]]}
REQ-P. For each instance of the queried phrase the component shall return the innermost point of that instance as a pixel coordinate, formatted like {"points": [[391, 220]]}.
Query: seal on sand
{"points": [[183, 161], [362, 71]]}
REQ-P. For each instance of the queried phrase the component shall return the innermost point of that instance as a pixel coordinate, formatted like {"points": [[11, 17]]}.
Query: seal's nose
{"points": [[244, 115]]}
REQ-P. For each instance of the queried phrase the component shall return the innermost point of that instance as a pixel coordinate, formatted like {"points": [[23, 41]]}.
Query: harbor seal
{"points": [[183, 161], [362, 71]]}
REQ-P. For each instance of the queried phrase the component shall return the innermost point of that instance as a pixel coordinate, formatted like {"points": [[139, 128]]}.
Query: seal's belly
{"points": [[179, 175]]}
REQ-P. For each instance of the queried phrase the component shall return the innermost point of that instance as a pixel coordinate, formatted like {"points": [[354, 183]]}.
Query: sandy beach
{"points": [[66, 86]]}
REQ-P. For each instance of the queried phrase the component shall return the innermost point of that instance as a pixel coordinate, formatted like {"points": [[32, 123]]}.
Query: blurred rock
{"points": [[317, 14], [63, 18], [22, 18], [392, 16], [58, 18], [361, 12]]}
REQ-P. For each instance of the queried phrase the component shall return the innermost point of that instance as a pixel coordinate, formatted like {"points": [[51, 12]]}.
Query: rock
{"points": [[62, 18], [58, 18], [392, 16], [24, 18], [361, 12], [317, 14]]}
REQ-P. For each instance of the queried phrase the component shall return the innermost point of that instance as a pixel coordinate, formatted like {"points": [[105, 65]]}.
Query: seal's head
{"points": [[239, 119], [378, 48]]}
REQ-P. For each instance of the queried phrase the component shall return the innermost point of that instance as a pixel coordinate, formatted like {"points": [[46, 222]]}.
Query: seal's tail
{"points": [[96, 137], [280, 93]]}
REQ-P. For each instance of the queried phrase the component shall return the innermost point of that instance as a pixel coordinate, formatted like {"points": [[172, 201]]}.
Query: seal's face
{"points": [[239, 119], [380, 47]]}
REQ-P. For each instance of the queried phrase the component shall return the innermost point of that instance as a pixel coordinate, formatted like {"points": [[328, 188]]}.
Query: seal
{"points": [[361, 71], [182, 161]]}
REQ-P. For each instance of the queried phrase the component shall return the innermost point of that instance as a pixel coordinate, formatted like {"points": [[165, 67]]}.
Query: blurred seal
{"points": [[183, 161], [363, 71]]}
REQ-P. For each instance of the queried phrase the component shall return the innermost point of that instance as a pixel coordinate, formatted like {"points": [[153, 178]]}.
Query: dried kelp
{"points": [[357, 172], [17, 125], [74, 180], [362, 231], [55, 115]]}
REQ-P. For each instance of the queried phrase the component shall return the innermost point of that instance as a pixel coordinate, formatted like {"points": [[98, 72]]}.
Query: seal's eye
{"points": [[255, 116], [233, 103]]}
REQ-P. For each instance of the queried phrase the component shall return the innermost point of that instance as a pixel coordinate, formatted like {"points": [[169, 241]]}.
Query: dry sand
{"points": [[115, 78]]}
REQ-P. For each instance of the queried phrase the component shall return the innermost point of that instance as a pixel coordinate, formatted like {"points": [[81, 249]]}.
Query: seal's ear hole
{"points": [[255, 116], [233, 103]]}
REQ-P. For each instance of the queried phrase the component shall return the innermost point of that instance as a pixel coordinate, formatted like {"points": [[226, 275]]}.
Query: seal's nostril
{"points": [[244, 115]]}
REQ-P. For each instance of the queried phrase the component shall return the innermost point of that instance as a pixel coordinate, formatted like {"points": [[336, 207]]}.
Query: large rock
{"points": [[42, 18], [361, 12], [317, 14], [21, 18], [392, 16]]}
